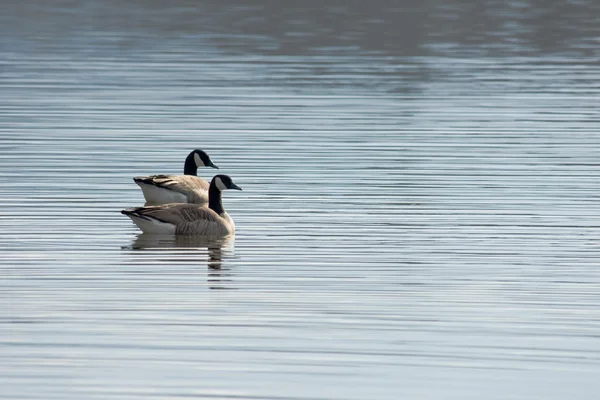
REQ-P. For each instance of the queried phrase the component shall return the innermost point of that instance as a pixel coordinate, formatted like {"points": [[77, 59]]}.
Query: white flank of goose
{"points": [[188, 219], [187, 188]]}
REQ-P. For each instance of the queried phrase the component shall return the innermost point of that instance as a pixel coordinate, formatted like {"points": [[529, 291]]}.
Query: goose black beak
{"points": [[212, 165], [234, 186]]}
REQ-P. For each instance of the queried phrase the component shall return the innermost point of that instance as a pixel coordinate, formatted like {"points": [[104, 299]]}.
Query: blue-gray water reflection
{"points": [[420, 200]]}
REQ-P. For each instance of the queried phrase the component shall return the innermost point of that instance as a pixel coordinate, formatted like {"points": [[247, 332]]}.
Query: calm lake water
{"points": [[419, 220]]}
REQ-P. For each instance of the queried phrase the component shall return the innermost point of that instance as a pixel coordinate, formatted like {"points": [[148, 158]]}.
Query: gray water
{"points": [[419, 217]]}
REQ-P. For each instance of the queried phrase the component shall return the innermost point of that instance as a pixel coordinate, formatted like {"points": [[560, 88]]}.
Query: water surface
{"points": [[418, 220]]}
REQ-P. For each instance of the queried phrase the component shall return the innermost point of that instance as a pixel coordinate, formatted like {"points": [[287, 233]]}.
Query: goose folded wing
{"points": [[179, 213]]}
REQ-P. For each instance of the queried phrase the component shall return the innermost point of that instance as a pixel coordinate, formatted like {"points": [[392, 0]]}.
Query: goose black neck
{"points": [[214, 199], [190, 167]]}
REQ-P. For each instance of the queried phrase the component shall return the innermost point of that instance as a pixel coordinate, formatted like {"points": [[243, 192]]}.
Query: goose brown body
{"points": [[160, 189], [181, 219]]}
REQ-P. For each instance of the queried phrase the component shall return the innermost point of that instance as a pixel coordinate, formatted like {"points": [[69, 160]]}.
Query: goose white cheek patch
{"points": [[220, 185], [198, 160]]}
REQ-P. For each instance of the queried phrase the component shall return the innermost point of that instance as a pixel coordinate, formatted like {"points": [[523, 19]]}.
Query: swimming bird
{"points": [[188, 219], [187, 188]]}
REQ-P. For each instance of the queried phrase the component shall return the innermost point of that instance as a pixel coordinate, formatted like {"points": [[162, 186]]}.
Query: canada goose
{"points": [[187, 188], [188, 219]]}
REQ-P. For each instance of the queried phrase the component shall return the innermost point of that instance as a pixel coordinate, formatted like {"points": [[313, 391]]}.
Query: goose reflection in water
{"points": [[191, 249]]}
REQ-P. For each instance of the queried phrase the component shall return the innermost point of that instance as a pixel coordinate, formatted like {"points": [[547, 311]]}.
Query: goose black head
{"points": [[224, 182], [197, 159]]}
